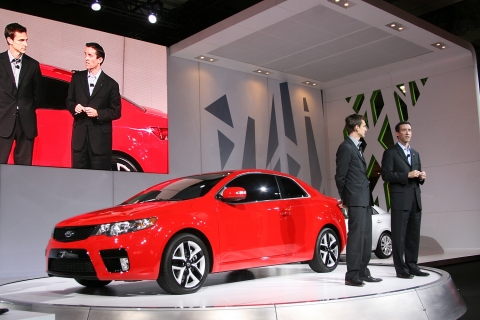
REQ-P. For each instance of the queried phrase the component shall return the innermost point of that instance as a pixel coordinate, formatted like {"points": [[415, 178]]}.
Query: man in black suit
{"points": [[20, 79], [354, 189], [401, 167], [94, 101]]}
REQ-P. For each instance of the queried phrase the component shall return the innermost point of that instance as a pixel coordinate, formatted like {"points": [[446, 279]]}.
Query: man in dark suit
{"points": [[354, 189], [94, 101], [401, 167], [20, 79]]}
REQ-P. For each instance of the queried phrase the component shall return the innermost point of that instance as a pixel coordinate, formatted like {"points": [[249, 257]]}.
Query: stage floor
{"points": [[290, 291]]}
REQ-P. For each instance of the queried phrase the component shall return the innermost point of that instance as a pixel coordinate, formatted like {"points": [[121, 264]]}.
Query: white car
{"points": [[381, 233]]}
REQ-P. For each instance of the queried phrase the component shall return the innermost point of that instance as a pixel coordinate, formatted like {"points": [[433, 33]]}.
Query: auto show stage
{"points": [[281, 292]]}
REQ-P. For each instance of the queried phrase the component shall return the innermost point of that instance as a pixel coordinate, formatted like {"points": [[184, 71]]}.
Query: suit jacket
{"points": [[105, 99], [26, 96], [395, 169], [351, 175]]}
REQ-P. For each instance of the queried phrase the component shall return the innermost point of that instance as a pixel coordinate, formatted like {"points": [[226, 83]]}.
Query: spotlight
{"points": [[96, 5], [152, 17]]}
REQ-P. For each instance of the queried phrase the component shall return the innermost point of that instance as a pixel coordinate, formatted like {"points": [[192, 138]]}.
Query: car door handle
{"points": [[286, 212], [379, 221]]}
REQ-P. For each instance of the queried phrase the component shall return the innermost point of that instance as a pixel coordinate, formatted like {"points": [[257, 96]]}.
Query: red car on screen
{"points": [[140, 136], [180, 230]]}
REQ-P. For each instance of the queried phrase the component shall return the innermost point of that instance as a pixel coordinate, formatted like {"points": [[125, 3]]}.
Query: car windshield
{"points": [[182, 189]]}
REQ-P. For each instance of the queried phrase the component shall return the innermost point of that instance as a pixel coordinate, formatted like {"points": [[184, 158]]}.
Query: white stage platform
{"points": [[281, 292]]}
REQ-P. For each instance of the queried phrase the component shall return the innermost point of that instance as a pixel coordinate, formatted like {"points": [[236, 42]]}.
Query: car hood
{"points": [[122, 213]]}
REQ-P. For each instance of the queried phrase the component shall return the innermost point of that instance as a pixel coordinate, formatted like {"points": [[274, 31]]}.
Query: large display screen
{"points": [[140, 136]]}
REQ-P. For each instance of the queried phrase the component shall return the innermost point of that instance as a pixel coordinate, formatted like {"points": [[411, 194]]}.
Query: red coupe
{"points": [[180, 230], [140, 136]]}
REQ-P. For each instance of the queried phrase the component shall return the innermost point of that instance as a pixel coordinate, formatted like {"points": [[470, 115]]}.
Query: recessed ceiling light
{"points": [[310, 83], [206, 59], [396, 26], [262, 72], [439, 45], [343, 3]]}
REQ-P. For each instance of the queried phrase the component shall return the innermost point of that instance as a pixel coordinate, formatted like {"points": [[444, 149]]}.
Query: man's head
{"points": [[16, 36], [403, 130], [94, 55], [356, 126]]}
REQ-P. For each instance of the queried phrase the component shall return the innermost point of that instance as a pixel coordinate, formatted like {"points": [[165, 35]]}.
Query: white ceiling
{"points": [[316, 40]]}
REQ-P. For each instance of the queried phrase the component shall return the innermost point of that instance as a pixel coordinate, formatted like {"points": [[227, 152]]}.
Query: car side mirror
{"points": [[234, 194]]}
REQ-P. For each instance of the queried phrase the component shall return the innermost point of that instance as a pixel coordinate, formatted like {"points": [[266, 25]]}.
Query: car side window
{"points": [[54, 93], [291, 189], [259, 187]]}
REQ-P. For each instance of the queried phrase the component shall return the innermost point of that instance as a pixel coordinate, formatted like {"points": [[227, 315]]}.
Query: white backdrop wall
{"points": [[445, 131], [205, 103]]}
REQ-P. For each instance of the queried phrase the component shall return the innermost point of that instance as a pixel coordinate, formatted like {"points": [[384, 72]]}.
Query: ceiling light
{"points": [[310, 83], [206, 59], [96, 5], [439, 45], [265, 72], [396, 26], [343, 3], [152, 17]]}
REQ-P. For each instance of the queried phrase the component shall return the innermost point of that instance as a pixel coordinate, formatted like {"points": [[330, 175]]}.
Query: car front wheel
{"points": [[185, 265], [384, 246], [327, 252], [123, 163], [92, 283]]}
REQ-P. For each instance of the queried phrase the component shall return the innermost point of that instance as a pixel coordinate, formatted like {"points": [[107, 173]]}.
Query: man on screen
{"points": [[20, 91], [94, 101]]}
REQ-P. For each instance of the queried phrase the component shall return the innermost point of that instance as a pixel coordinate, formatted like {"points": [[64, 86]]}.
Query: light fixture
{"points": [[396, 26], [152, 17], [96, 5], [260, 71], [205, 58], [439, 45], [310, 83], [343, 3]]}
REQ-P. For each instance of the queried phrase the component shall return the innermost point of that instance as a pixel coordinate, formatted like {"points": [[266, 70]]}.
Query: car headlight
{"points": [[117, 228]]}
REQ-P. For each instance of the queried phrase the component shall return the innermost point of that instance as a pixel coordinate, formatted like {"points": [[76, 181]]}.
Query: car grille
{"points": [[70, 262], [72, 233]]}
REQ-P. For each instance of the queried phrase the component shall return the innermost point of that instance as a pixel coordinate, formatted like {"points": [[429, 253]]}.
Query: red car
{"points": [[140, 136], [180, 230]]}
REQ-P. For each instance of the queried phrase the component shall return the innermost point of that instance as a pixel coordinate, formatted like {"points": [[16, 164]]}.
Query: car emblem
{"points": [[69, 233]]}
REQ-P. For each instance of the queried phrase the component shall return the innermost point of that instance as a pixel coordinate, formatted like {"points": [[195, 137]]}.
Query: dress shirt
{"points": [[16, 66], [92, 81], [358, 144], [407, 152]]}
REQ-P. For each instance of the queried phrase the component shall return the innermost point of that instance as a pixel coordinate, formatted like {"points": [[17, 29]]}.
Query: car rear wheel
{"points": [[384, 246], [123, 163], [327, 252], [185, 265], [93, 283]]}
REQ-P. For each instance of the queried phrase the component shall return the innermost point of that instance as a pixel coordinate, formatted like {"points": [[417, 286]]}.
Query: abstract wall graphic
{"points": [[293, 166], [314, 162], [288, 122], [226, 147], [272, 134], [305, 105], [386, 137], [277, 166], [376, 104], [249, 154], [221, 110], [401, 107]]}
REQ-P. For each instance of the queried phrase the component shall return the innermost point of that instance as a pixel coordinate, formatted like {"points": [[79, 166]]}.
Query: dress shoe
{"points": [[419, 273], [354, 282], [404, 275], [370, 279]]}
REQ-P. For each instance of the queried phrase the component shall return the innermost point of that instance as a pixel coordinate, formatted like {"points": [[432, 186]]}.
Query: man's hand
{"points": [[423, 175], [341, 205], [414, 174], [92, 113], [79, 108]]}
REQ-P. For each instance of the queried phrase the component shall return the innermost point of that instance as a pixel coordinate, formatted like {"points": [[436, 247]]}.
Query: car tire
{"points": [[185, 265], [123, 163], [384, 246], [327, 252], [93, 283]]}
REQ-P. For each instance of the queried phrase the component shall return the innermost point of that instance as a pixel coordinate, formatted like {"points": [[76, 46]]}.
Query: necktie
{"points": [[17, 63], [360, 149]]}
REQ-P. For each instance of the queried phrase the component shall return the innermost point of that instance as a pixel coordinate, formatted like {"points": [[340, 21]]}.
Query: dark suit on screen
{"points": [[19, 125], [354, 189], [94, 134], [406, 206]]}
